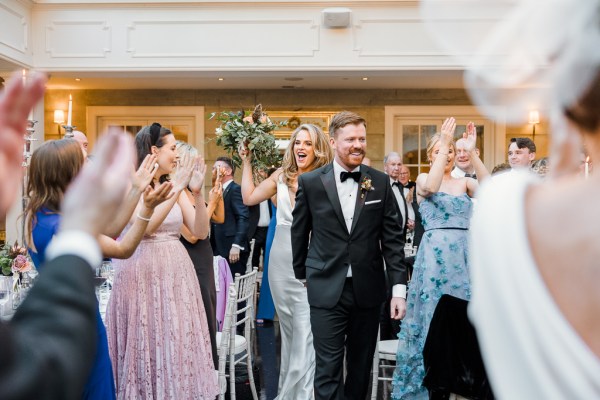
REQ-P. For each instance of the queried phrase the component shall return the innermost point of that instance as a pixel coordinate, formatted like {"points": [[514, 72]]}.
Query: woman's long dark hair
{"points": [[53, 167], [148, 136]]}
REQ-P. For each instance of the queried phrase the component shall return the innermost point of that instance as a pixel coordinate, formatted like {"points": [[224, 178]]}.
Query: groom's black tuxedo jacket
{"points": [[375, 233]]}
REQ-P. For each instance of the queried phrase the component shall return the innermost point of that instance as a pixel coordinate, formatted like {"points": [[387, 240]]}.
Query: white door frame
{"points": [[94, 113]]}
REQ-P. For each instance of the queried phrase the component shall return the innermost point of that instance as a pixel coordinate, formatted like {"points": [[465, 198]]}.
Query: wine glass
{"points": [[5, 283]]}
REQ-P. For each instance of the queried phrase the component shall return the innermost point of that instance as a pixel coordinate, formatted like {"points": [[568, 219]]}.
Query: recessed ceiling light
{"points": [[365, 79], [221, 79], [293, 79], [77, 79]]}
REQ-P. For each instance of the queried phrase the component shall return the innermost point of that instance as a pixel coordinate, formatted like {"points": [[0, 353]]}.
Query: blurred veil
{"points": [[521, 55]]}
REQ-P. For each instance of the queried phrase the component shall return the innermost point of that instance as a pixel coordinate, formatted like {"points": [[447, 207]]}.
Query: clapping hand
{"points": [[183, 174], [470, 136], [99, 189], [215, 193], [198, 174], [447, 132], [155, 196], [144, 174], [15, 103]]}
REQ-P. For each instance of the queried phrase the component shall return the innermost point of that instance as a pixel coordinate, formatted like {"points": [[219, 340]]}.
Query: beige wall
{"points": [[369, 103]]}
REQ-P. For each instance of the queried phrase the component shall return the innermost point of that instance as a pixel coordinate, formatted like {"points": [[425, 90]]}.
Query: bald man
{"points": [[82, 140]]}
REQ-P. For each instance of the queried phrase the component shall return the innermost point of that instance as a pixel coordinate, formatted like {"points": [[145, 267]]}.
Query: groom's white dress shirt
{"points": [[347, 192]]}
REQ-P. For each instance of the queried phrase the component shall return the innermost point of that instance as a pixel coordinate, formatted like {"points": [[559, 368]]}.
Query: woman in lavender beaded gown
{"points": [[157, 327]]}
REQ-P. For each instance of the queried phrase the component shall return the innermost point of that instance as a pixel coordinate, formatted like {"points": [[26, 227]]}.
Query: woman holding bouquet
{"points": [[157, 327], [309, 149]]}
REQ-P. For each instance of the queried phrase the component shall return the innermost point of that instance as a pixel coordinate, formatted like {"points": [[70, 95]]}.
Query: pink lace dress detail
{"points": [[157, 331]]}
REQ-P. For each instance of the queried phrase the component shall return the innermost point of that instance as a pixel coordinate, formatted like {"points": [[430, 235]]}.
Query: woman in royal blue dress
{"points": [[53, 167], [441, 265]]}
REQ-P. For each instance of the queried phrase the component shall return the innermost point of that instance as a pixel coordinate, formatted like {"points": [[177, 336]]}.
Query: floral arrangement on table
{"points": [[254, 131], [14, 261]]}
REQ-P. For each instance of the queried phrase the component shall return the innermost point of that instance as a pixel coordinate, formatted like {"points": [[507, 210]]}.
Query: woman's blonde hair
{"points": [[185, 148], [53, 167], [432, 142], [322, 149]]}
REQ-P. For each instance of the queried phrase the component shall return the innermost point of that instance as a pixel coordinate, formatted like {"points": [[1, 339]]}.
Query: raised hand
{"points": [[144, 174], [198, 174], [215, 193], [470, 136], [447, 132], [183, 174], [15, 103], [99, 189], [244, 152], [155, 196]]}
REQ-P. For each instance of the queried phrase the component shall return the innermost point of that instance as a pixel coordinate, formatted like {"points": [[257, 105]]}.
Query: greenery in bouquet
{"points": [[14, 260], [254, 130]]}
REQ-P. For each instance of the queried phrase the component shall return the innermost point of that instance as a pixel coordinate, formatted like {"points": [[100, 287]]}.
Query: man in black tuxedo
{"points": [[48, 346], [345, 224], [229, 239], [409, 185]]}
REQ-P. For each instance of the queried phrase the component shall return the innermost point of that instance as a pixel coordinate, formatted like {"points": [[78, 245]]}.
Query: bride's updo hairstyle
{"points": [[148, 136]]}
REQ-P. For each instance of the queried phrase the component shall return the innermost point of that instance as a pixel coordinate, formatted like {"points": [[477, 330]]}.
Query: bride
{"points": [[309, 149], [536, 244]]}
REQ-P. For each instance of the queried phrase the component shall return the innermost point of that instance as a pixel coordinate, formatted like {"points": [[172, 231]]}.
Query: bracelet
{"points": [[142, 218]]}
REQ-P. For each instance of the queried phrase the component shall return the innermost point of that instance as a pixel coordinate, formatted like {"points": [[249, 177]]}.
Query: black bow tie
{"points": [[354, 175], [471, 176], [396, 183]]}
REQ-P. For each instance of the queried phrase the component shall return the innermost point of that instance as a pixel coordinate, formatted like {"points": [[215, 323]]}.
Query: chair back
{"points": [[225, 336], [245, 286]]}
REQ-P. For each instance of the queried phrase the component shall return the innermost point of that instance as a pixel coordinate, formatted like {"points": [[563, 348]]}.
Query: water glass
{"points": [[5, 291]]}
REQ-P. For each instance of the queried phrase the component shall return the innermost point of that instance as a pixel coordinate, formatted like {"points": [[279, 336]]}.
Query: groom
{"points": [[346, 223]]}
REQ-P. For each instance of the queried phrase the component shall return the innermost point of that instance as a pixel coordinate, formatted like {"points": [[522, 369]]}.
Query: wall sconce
{"points": [[534, 119], [59, 118]]}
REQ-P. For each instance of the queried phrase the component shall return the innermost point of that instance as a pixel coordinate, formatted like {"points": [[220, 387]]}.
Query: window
{"points": [[409, 128]]}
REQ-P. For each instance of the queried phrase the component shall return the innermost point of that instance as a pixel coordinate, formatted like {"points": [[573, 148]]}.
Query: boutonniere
{"points": [[365, 186]]}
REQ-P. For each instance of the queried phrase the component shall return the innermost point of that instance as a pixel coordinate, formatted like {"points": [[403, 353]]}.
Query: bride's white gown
{"points": [[297, 368], [529, 348]]}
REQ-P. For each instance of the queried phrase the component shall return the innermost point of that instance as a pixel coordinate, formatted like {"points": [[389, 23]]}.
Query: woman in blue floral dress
{"points": [[441, 266]]}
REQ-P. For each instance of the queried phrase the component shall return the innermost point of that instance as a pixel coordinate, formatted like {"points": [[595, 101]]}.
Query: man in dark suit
{"points": [[49, 345], [230, 239], [345, 224], [409, 185]]}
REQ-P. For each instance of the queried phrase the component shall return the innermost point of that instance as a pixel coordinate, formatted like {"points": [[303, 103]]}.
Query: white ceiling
{"points": [[400, 79], [257, 80]]}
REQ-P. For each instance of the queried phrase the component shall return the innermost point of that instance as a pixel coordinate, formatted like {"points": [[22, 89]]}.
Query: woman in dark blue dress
{"points": [[266, 308]]}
